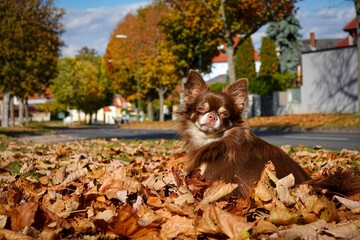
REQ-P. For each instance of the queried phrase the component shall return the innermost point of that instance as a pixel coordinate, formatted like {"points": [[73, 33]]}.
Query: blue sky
{"points": [[91, 22]]}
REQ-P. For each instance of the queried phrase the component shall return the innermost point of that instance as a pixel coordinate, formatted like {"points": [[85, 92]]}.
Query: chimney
{"points": [[312, 40]]}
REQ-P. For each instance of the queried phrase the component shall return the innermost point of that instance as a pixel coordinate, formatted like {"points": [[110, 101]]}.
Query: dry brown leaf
{"points": [[349, 231], [48, 234], [323, 208], [23, 215], [154, 202], [59, 176], [263, 192], [106, 215], [75, 176], [3, 220], [283, 216], [177, 226], [218, 190], [348, 203], [8, 234], [264, 227], [215, 220], [311, 231], [125, 224], [185, 196]]}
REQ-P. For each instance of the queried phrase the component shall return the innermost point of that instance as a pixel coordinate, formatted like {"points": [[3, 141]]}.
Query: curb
{"points": [[304, 129]]}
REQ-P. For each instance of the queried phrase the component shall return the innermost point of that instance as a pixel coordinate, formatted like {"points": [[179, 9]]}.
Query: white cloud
{"points": [[92, 27], [325, 23]]}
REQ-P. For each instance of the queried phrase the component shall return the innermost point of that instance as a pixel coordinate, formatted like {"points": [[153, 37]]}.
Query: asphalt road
{"points": [[334, 141]]}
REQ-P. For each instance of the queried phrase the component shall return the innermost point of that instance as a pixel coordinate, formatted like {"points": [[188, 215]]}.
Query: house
{"points": [[329, 78], [119, 111], [219, 67]]}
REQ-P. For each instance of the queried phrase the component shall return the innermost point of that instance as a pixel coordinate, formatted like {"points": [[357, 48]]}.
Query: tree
{"points": [[286, 33], [267, 81], [29, 47], [225, 19], [156, 61], [80, 85], [269, 59], [245, 61]]}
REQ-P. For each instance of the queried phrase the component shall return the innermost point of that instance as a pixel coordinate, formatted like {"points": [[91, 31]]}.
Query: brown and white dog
{"points": [[219, 142]]}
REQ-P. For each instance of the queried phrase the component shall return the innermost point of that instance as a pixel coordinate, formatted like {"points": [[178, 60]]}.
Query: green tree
{"points": [[286, 33], [268, 80], [245, 61], [269, 59], [220, 21], [79, 85], [29, 47]]}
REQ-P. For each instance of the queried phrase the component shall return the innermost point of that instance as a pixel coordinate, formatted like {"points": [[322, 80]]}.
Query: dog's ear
{"points": [[194, 85], [238, 91]]}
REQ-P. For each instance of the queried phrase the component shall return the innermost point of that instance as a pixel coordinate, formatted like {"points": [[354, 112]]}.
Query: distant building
{"points": [[219, 66]]}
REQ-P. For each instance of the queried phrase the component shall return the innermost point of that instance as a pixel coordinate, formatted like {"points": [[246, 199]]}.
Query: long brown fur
{"points": [[220, 143], [231, 152]]}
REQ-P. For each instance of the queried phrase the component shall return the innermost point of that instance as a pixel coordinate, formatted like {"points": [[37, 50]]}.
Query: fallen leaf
{"points": [[8, 234], [349, 231], [177, 226], [283, 216], [348, 203], [216, 220], [311, 231], [106, 215], [218, 190], [23, 215]]}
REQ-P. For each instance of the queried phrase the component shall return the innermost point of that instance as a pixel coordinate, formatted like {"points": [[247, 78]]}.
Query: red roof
{"points": [[351, 25], [222, 57], [343, 43]]}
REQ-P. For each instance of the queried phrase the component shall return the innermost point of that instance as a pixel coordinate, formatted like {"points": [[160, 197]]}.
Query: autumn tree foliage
{"points": [[223, 20], [144, 50], [82, 83], [245, 61], [29, 48]]}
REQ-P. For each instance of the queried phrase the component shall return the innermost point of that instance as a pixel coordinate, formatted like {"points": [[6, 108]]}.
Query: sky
{"points": [[90, 22]]}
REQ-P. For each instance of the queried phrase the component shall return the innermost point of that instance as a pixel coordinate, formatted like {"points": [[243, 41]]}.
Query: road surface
{"points": [[334, 141]]}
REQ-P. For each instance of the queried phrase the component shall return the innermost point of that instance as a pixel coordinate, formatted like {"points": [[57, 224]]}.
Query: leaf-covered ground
{"points": [[317, 120], [99, 189]]}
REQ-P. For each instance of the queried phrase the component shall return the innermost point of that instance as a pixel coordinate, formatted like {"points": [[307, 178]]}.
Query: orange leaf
{"points": [[23, 215]]}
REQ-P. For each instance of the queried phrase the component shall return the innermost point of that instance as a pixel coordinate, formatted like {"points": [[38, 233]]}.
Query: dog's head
{"points": [[213, 112]]}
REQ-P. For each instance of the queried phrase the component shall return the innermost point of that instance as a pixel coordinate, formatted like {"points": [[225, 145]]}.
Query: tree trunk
{"points": [[230, 61], [21, 112], [27, 120], [357, 10], [161, 91], [5, 110], [12, 119], [229, 46], [150, 109], [79, 116]]}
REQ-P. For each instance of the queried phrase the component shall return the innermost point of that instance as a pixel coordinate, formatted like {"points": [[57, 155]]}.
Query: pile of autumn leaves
{"points": [[100, 189]]}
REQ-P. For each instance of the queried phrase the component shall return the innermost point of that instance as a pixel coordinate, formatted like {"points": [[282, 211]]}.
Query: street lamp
{"points": [[121, 36]]}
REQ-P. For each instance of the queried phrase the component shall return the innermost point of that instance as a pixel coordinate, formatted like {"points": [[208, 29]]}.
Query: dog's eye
{"points": [[224, 114], [201, 109]]}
